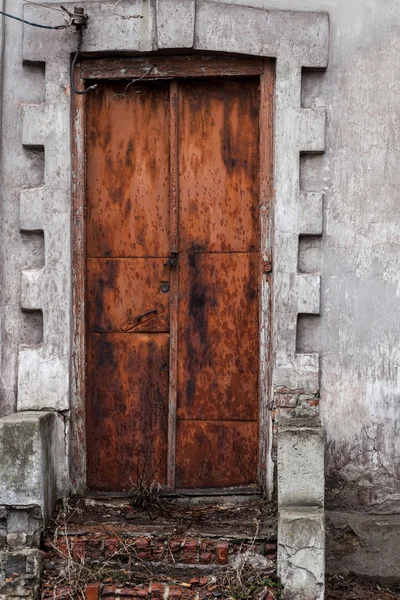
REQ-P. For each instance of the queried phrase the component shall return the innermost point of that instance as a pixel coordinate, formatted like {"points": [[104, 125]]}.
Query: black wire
{"points": [[33, 24], [91, 87]]}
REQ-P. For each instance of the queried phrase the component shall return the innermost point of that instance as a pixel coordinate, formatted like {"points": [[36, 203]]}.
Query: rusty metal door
{"points": [[172, 271]]}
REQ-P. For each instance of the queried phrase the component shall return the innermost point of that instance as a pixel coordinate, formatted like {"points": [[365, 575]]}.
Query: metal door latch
{"points": [[172, 261]]}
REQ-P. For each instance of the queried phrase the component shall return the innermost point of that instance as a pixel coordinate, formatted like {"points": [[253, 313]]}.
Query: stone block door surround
{"points": [[296, 40], [47, 373]]}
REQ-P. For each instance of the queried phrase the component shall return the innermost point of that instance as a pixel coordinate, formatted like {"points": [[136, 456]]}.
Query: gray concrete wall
{"points": [[358, 255]]}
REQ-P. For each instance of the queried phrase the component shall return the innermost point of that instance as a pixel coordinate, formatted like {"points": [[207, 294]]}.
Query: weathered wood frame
{"points": [[171, 67]]}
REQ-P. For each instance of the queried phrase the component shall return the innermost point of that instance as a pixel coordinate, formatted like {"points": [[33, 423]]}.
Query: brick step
{"points": [[150, 559], [158, 548], [154, 591]]}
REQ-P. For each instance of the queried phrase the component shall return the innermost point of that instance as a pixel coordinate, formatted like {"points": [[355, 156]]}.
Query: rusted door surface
{"points": [[127, 309], [217, 433], [173, 339]]}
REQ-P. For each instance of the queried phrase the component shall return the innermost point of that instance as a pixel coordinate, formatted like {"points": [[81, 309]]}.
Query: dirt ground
{"points": [[351, 588]]}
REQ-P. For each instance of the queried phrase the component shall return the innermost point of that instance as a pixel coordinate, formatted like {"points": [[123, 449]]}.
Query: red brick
{"points": [[63, 593], [141, 593], [92, 591], [158, 549], [222, 549], [108, 590], [206, 551], [94, 548], [285, 400], [190, 551], [143, 548], [62, 546], [270, 549], [79, 549], [175, 547], [157, 591], [110, 547], [126, 592]]}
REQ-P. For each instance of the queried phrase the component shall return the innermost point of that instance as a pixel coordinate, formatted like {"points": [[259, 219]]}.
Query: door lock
{"points": [[172, 261]]}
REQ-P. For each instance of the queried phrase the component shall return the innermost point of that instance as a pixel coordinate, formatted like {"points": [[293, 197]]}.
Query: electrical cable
{"points": [[79, 28], [91, 87], [33, 24], [44, 5]]}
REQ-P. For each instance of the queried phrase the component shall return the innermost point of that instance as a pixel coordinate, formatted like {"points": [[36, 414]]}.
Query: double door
{"points": [[172, 283]]}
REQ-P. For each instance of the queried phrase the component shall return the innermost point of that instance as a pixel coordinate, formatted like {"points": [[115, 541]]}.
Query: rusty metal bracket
{"points": [[78, 18]]}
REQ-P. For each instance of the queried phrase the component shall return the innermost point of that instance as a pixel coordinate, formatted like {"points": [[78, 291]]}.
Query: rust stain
{"points": [[218, 337], [119, 291], [127, 409], [216, 453], [127, 173], [173, 353], [219, 161], [218, 322]]}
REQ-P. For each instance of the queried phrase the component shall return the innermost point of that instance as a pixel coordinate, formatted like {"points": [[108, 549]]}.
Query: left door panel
{"points": [[127, 322]]}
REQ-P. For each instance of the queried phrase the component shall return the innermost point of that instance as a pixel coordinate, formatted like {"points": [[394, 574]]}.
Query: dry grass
{"points": [[124, 567]]}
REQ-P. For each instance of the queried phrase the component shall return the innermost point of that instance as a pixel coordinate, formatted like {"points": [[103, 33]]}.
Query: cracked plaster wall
{"points": [[358, 255]]}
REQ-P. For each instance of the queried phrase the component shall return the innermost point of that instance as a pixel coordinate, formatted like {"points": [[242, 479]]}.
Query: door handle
{"points": [[146, 314], [172, 261]]}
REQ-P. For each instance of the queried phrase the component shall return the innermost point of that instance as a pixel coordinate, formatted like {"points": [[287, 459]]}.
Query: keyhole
{"points": [[164, 287]]}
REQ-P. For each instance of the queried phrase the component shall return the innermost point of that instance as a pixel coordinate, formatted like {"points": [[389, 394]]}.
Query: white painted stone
{"points": [[28, 466], [300, 463], [312, 130], [301, 372], [301, 553], [260, 32], [175, 23], [310, 213], [128, 25]]}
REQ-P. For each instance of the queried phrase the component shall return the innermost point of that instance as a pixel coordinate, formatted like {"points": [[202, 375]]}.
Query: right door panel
{"points": [[218, 323]]}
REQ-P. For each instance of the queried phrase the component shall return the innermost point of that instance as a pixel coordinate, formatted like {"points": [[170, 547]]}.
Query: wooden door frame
{"points": [[170, 67]]}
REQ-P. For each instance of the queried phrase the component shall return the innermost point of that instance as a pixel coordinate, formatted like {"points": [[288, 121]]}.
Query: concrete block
{"points": [[18, 521], [364, 544], [299, 372], [32, 288], [262, 32], [27, 466], [20, 572], [310, 213], [128, 25], [301, 553], [43, 379], [312, 130], [16, 540], [300, 463], [175, 23]]}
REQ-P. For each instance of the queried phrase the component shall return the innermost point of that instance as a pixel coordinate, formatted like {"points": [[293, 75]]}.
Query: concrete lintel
{"points": [[28, 470], [301, 553]]}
